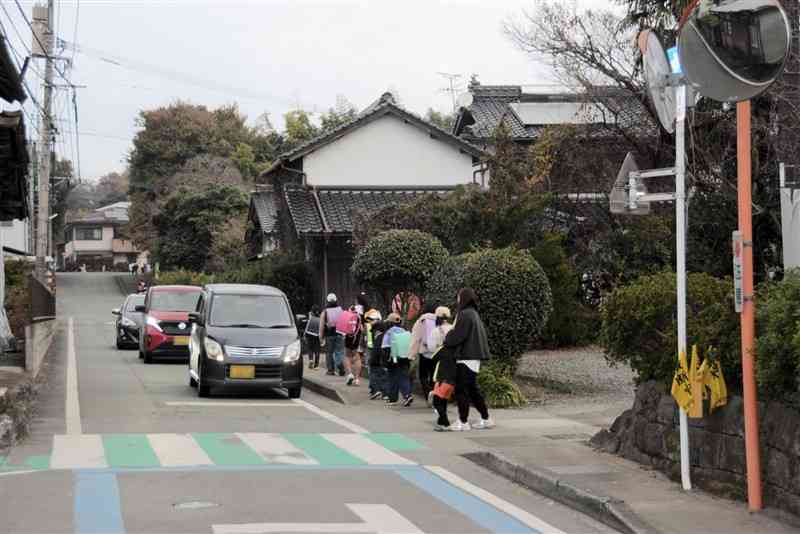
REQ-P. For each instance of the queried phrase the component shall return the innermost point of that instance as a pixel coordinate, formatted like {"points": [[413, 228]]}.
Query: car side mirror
{"points": [[140, 308], [115, 311], [195, 317]]}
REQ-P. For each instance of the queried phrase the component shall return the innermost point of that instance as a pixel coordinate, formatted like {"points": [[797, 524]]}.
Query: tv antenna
{"points": [[454, 85]]}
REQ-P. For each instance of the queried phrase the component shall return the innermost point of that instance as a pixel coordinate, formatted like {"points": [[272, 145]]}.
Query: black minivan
{"points": [[244, 334]]}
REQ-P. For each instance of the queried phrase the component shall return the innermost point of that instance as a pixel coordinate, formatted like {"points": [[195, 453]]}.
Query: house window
{"points": [[89, 233]]}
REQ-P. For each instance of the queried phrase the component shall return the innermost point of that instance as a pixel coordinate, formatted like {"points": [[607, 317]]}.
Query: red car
{"points": [[165, 321]]}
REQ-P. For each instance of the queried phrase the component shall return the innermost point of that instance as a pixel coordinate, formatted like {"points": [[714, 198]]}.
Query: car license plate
{"points": [[180, 340], [243, 371]]}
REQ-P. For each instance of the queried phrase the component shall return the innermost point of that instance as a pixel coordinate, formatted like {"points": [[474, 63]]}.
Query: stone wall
{"points": [[648, 433]]}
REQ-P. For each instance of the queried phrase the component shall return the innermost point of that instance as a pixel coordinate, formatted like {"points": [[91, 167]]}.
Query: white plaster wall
{"points": [[790, 216], [16, 235], [388, 152]]}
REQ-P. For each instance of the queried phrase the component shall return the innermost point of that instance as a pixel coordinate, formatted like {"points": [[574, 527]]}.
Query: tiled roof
{"points": [[266, 210], [303, 211], [384, 106], [338, 206], [491, 105], [99, 217]]}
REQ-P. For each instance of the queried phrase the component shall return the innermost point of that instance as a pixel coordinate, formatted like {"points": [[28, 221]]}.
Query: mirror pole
{"points": [[680, 257], [743, 147]]}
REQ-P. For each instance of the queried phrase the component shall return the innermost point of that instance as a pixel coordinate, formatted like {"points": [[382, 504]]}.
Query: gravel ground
{"points": [[576, 381]]}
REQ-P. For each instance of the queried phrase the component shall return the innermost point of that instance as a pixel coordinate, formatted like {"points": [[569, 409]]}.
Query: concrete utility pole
{"points": [[45, 38]]}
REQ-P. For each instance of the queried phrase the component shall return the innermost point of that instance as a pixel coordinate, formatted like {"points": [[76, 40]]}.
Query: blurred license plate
{"points": [[243, 371], [180, 340]]}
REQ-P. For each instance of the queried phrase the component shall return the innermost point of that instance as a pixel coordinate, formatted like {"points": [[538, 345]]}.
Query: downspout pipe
{"points": [[326, 232]]}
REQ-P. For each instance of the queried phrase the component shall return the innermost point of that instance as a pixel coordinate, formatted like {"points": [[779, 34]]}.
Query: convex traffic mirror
{"points": [[733, 50]]}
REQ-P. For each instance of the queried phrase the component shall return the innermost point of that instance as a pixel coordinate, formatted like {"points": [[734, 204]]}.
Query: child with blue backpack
{"points": [[397, 342]]}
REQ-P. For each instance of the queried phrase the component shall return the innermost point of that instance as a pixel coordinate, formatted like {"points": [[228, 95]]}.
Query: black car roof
{"points": [[243, 289]]}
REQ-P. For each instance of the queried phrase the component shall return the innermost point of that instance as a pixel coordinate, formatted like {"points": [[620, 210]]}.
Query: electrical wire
{"points": [[44, 49]]}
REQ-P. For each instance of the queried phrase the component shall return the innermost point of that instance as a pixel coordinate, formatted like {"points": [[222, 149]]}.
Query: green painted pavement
{"points": [[38, 462], [129, 450], [395, 442], [322, 450], [227, 449]]}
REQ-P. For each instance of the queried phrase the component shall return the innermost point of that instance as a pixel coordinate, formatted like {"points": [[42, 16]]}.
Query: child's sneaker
{"points": [[408, 400], [484, 424], [376, 395], [442, 428], [350, 379], [461, 427], [391, 403]]}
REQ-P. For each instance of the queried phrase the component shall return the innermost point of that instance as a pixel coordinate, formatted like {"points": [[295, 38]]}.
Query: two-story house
{"points": [[385, 155], [97, 240]]}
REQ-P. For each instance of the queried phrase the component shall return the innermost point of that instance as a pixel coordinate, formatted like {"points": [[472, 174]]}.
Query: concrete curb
{"points": [[612, 512], [321, 388]]}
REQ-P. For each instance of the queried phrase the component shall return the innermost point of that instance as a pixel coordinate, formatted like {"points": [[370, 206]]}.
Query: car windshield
{"points": [[250, 311], [174, 300], [138, 300]]}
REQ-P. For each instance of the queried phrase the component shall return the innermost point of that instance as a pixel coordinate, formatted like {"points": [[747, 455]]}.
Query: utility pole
{"points": [[45, 39]]}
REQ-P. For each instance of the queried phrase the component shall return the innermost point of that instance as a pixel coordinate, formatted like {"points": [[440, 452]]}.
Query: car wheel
{"points": [[192, 382], [294, 393]]}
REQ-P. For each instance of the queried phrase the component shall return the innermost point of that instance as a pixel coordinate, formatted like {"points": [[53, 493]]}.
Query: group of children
{"points": [[388, 349]]}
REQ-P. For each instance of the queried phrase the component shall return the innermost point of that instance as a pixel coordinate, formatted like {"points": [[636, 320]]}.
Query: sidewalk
{"points": [[545, 448]]}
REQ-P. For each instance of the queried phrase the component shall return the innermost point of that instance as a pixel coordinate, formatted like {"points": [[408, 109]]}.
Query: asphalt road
{"points": [[120, 446]]}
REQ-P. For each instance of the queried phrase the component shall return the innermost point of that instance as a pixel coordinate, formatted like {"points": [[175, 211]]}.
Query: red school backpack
{"points": [[348, 323]]}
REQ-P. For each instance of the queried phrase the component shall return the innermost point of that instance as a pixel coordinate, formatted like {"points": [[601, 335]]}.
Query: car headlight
{"points": [[152, 321], [127, 322], [213, 350], [292, 352]]}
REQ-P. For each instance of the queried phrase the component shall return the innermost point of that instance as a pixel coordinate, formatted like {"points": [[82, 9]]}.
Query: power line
{"points": [[47, 52]]}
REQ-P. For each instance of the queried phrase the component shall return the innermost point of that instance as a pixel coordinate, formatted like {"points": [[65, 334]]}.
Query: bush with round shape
{"points": [[514, 294], [398, 261], [640, 325], [778, 338], [497, 385]]}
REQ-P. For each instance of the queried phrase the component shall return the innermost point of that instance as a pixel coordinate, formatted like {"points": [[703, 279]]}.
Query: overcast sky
{"points": [[267, 55]]}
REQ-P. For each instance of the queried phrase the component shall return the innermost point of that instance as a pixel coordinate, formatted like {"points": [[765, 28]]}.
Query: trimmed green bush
{"points": [[778, 337], [398, 261], [514, 294], [640, 325], [498, 387]]}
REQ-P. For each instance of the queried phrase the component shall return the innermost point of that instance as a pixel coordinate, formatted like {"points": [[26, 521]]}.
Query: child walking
{"points": [[312, 337], [397, 341]]}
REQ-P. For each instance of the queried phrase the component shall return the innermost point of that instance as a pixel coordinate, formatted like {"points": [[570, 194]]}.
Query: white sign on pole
{"points": [[738, 295]]}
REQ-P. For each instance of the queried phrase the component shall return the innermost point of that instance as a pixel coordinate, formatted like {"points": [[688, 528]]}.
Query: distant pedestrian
{"points": [[312, 336], [397, 341], [329, 338], [422, 329], [376, 364], [471, 345]]}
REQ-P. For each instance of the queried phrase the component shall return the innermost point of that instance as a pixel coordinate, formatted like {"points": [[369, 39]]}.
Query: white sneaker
{"points": [[484, 424], [442, 428], [458, 426], [350, 379]]}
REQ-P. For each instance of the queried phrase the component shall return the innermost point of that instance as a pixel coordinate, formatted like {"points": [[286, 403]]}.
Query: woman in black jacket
{"points": [[471, 345]]}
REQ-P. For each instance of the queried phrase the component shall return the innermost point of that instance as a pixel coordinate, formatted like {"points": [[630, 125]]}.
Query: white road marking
{"points": [[78, 451], [233, 404], [332, 418], [504, 506], [10, 473], [275, 449], [73, 407], [178, 450], [365, 449], [378, 519]]}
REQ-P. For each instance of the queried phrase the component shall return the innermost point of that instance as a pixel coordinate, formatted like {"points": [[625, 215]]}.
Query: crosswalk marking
{"points": [[78, 451], [274, 449], [367, 450], [87, 451], [175, 450]]}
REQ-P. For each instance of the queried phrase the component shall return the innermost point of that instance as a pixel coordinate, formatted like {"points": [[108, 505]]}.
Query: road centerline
{"points": [[72, 401]]}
